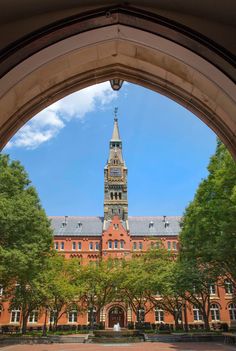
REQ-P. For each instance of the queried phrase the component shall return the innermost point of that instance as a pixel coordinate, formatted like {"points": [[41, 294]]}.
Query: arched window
{"points": [[141, 315], [116, 196], [197, 315], [232, 311], [159, 315], [119, 196], [33, 317], [15, 315], [109, 244], [111, 196], [215, 312], [73, 315], [134, 246], [116, 244], [122, 244], [228, 287]]}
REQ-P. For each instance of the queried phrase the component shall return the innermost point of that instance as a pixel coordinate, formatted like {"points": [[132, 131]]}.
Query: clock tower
{"points": [[115, 179]]}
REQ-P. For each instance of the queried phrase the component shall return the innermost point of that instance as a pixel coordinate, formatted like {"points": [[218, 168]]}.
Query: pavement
{"points": [[155, 346]]}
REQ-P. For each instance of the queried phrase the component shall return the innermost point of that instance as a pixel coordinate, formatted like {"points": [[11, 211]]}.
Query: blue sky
{"points": [[65, 147]]}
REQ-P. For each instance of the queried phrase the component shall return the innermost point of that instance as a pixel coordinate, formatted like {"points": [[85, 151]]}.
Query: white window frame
{"points": [[1, 290], [62, 246], [97, 246], [52, 316], [232, 311], [15, 316], [212, 289], [122, 244], [33, 317], [56, 245], [91, 246], [159, 315], [174, 245], [73, 316], [140, 245], [74, 246], [134, 246], [168, 245], [197, 315], [228, 287], [110, 244], [215, 309], [116, 244], [79, 246]]}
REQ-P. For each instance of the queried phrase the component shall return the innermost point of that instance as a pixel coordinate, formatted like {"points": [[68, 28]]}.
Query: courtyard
{"points": [[124, 347]]}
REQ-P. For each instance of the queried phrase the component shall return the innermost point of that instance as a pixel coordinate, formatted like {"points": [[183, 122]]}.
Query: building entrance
{"points": [[116, 315]]}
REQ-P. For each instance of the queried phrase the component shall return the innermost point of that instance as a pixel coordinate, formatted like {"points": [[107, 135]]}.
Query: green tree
{"points": [[59, 289], [209, 227], [194, 280], [99, 282], [25, 236]]}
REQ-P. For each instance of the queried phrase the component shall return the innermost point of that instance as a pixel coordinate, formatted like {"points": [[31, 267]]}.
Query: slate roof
{"points": [[154, 226], [92, 226], [77, 226]]}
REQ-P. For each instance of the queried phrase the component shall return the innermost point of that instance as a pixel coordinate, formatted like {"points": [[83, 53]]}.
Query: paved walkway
{"points": [[124, 347]]}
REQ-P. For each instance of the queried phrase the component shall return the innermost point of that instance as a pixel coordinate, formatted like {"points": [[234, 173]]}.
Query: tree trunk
{"points": [[176, 321], [206, 321], [24, 323]]}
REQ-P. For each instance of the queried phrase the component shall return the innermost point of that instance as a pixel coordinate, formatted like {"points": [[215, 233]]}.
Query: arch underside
{"points": [[131, 54]]}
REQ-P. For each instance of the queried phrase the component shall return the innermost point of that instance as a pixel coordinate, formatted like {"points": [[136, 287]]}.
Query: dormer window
{"points": [[151, 224], [166, 224], [79, 225]]}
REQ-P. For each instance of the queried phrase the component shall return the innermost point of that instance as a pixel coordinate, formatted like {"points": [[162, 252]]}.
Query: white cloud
{"points": [[48, 123]]}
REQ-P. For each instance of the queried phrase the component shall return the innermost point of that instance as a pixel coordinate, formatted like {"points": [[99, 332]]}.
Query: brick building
{"points": [[116, 235]]}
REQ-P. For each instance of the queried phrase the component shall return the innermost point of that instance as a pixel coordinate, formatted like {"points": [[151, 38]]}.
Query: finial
{"points": [[115, 113]]}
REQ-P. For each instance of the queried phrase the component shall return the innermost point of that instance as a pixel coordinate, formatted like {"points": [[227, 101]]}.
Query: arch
{"points": [[131, 44]]}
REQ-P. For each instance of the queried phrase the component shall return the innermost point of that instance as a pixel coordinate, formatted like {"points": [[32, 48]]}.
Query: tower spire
{"points": [[116, 133]]}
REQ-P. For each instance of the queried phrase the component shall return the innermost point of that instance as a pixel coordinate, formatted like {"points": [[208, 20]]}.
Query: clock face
{"points": [[115, 172]]}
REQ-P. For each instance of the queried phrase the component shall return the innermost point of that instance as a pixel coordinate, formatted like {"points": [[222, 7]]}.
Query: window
{"points": [[215, 312], [174, 245], [228, 287], [15, 316], [1, 290], [115, 226], [140, 246], [97, 246], [169, 245], [141, 315], [116, 244], [159, 315], [232, 311], [56, 245], [79, 245], [122, 244], [52, 316], [109, 244], [74, 246], [72, 316], [90, 246], [134, 246], [197, 315], [212, 289], [92, 315], [62, 245], [33, 317]]}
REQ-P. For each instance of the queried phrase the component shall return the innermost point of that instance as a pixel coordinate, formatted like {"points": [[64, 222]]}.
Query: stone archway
{"points": [[133, 46]]}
